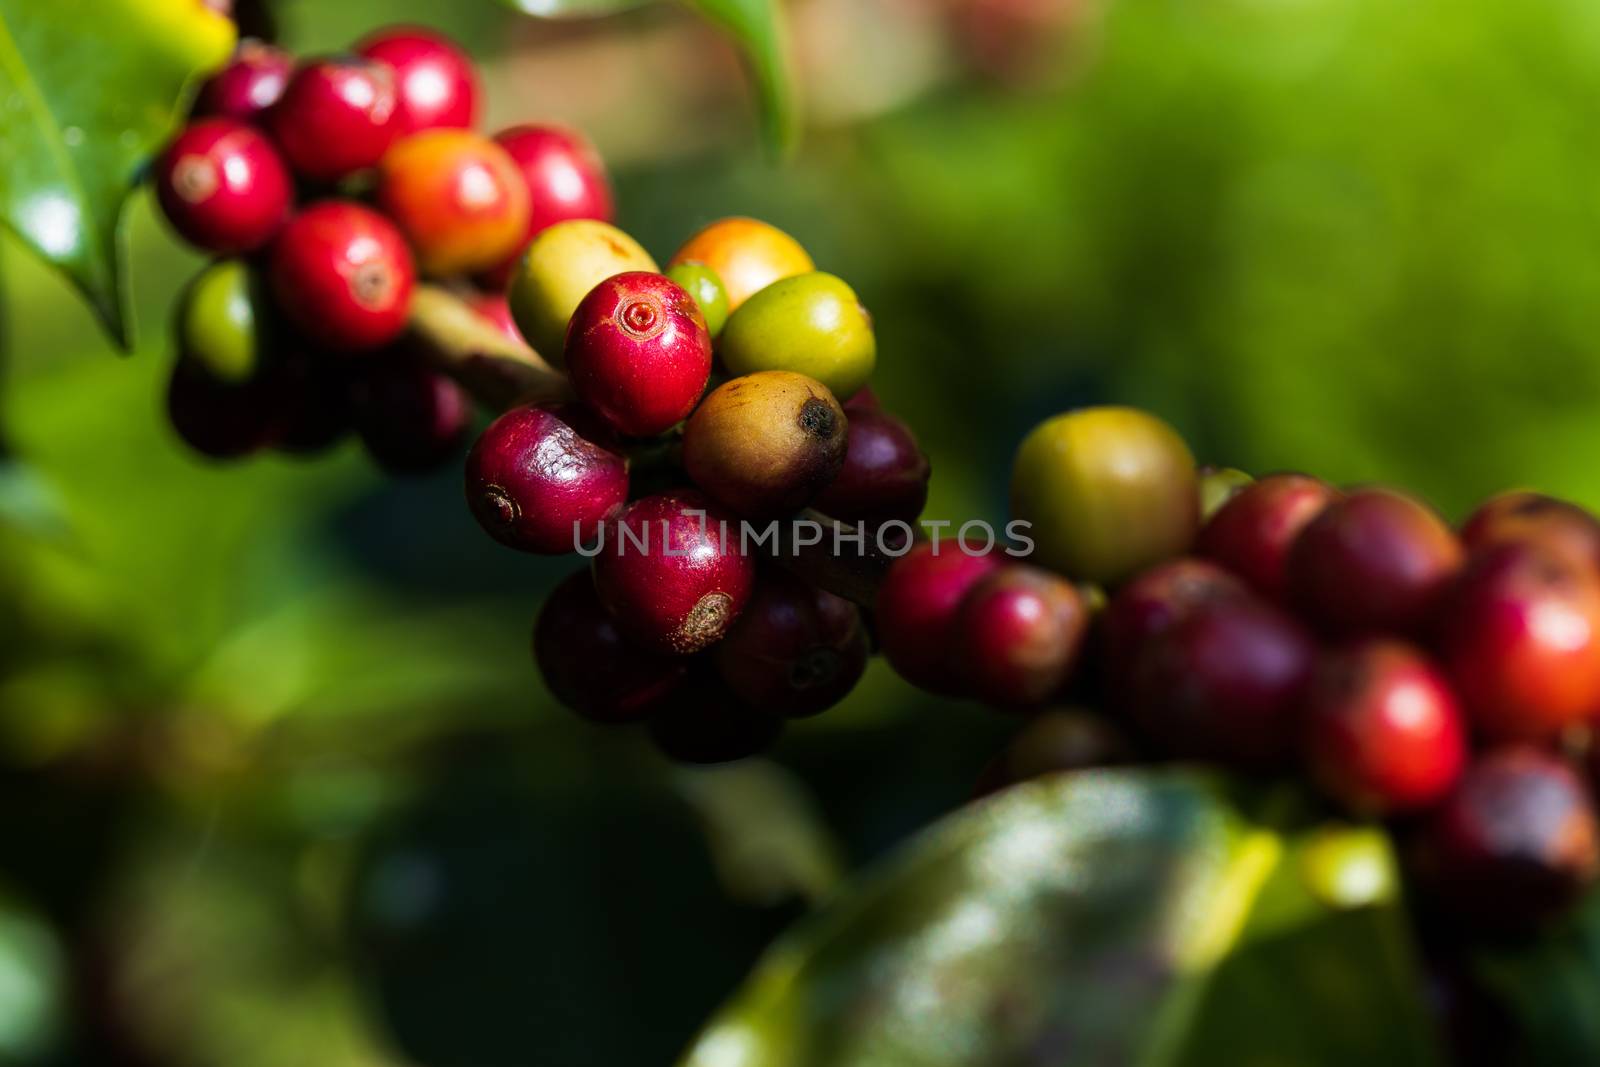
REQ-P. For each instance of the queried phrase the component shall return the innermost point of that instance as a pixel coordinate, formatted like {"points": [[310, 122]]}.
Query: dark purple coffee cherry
{"points": [[795, 650], [411, 418]]}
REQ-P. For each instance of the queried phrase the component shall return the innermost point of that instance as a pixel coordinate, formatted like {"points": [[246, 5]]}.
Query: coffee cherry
{"points": [[561, 267], [916, 611], [590, 667], [252, 81], [343, 274], [457, 197], [704, 722], [884, 475], [1054, 742], [220, 419], [638, 353], [1018, 635], [223, 187], [337, 116], [1524, 516], [1381, 729], [1521, 641], [1223, 683], [314, 402], [702, 283], [1152, 604], [1375, 562], [673, 572], [1108, 492], [435, 83], [220, 324], [410, 417], [543, 479], [1516, 842], [566, 179], [1218, 485], [764, 444], [811, 324], [795, 650], [747, 254], [1250, 535]]}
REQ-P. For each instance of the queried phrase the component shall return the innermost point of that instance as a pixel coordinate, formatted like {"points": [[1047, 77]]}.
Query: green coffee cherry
{"points": [[558, 270], [1108, 492], [217, 324], [810, 324], [1218, 485], [702, 283]]}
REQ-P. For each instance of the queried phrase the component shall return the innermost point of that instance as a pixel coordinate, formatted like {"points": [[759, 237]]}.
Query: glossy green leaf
{"points": [[1106, 917], [757, 26], [88, 91]]}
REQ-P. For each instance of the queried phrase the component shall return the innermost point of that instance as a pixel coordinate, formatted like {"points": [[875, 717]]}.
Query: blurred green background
{"points": [[281, 784]]}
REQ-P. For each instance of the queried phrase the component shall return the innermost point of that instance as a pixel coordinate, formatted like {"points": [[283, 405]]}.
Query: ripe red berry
{"points": [[673, 572], [916, 610], [223, 187], [457, 197], [1250, 535], [1524, 516], [566, 179], [337, 116], [1019, 632], [343, 274], [704, 722], [435, 82], [590, 667], [1152, 604], [1375, 562], [1381, 729], [1516, 842], [638, 352], [1521, 641], [252, 81], [795, 650], [1223, 683], [543, 479], [885, 473], [410, 417], [219, 418]]}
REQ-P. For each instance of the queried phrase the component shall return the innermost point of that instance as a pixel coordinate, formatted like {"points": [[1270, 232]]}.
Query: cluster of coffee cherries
{"points": [[324, 188], [710, 404], [1445, 680]]}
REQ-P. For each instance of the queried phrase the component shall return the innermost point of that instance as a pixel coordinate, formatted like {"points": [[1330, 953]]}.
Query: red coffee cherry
{"points": [[337, 116], [1375, 562], [1521, 641], [1250, 535], [435, 83], [410, 417], [342, 274], [1381, 729], [795, 650], [1524, 516], [252, 82], [217, 418], [223, 187], [1515, 843], [543, 479], [1223, 683], [566, 179], [1154, 603], [885, 473], [458, 198], [673, 573], [638, 352], [590, 667], [704, 722], [1019, 632], [916, 611]]}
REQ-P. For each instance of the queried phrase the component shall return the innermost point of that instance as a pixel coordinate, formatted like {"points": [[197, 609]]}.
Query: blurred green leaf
{"points": [[1106, 917], [756, 25], [1550, 985], [88, 91]]}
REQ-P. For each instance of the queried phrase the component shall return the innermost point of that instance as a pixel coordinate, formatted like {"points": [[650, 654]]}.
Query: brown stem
{"points": [[501, 373]]}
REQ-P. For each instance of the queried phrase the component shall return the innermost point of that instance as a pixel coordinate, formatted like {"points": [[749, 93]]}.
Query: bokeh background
{"points": [[278, 782]]}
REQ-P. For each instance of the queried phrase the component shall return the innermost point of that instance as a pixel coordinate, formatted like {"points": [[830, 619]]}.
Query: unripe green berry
{"points": [[1218, 485], [217, 323], [707, 289], [1108, 491], [559, 269], [810, 324]]}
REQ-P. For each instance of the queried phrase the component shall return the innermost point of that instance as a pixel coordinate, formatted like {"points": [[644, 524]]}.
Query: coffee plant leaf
{"points": [[1549, 985]]}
